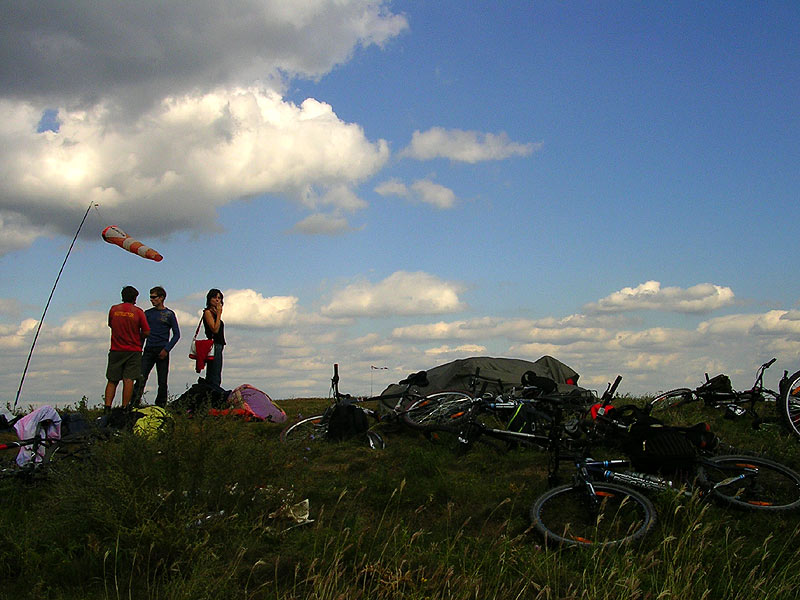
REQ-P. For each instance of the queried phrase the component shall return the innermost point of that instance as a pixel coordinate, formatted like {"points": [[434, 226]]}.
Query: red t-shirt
{"points": [[127, 322]]}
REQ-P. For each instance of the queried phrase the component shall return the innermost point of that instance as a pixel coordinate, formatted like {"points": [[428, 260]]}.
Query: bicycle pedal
{"points": [[733, 411]]}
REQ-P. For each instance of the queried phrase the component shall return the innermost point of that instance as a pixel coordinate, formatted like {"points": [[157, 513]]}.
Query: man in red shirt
{"points": [[129, 328]]}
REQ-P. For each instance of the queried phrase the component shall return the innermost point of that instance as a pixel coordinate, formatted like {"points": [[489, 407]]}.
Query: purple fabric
{"points": [[258, 402]]}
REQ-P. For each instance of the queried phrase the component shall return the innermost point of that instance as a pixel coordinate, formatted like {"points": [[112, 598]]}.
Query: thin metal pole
{"points": [[373, 368], [41, 321]]}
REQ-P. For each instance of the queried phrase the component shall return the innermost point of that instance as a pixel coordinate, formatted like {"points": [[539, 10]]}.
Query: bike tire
{"points": [[670, 399], [439, 411], [312, 430], [565, 516], [75, 448], [751, 482], [306, 431], [789, 405], [375, 440], [53, 453]]}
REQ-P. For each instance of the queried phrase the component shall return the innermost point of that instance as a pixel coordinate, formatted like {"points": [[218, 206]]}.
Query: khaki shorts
{"points": [[123, 364]]}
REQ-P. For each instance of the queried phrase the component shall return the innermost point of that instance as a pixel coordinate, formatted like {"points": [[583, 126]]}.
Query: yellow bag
{"points": [[154, 421]]}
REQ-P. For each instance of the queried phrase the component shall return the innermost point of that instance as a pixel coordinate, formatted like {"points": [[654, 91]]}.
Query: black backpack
{"points": [[653, 446], [74, 423], [717, 385], [200, 398], [346, 421], [659, 448]]}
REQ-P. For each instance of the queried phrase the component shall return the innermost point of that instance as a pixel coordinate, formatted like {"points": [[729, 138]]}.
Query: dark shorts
{"points": [[123, 365]]}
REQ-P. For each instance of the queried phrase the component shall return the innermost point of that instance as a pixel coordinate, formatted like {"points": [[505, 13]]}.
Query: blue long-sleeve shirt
{"points": [[162, 322]]}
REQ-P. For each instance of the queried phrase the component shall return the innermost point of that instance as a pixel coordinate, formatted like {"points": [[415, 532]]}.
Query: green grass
{"points": [[201, 513]]}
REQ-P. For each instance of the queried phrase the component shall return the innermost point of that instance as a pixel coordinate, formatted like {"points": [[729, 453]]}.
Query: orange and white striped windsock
{"points": [[114, 235]]}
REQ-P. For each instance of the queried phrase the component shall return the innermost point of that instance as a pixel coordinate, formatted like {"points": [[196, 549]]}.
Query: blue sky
{"points": [[402, 184]]}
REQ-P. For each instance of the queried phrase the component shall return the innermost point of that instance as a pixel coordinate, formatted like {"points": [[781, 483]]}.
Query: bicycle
{"points": [[718, 393], [603, 505], [43, 451], [311, 429]]}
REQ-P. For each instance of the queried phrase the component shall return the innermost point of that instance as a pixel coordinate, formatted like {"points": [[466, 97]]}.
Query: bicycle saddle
{"points": [[419, 379], [531, 379]]}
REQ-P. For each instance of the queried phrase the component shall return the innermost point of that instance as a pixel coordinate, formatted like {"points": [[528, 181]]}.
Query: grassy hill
{"points": [[205, 512]]}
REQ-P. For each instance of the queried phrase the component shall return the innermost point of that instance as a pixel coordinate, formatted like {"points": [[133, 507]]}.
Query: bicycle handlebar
{"points": [[609, 393], [759, 384]]}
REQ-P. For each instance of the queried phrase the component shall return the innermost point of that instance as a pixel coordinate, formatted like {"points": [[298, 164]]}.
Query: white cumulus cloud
{"points": [[402, 293], [771, 323], [172, 112], [464, 146], [421, 190], [171, 169], [700, 298], [323, 224], [442, 352], [248, 308], [434, 194]]}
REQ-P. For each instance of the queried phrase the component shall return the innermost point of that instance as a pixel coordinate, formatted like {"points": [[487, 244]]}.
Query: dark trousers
{"points": [[150, 359], [214, 367]]}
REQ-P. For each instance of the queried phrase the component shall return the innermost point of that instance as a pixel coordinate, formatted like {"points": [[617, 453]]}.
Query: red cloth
{"points": [[202, 347], [127, 322], [595, 409], [247, 415]]}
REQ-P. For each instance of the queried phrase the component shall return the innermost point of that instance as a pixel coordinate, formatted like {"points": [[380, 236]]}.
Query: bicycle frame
{"points": [[472, 430], [589, 470], [548, 409], [555, 415]]}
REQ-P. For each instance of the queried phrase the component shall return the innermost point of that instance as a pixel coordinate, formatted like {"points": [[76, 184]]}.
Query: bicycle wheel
{"points": [[615, 515], [670, 399], [375, 440], [442, 410], [750, 482], [75, 447], [789, 404], [306, 431]]}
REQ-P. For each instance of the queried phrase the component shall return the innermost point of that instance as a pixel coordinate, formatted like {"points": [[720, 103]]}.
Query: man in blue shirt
{"points": [[162, 321]]}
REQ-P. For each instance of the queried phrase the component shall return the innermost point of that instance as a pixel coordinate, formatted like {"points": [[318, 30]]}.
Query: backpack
{"points": [[663, 448], [119, 418], [658, 448], [150, 421], [74, 423], [719, 384], [346, 421], [200, 398], [653, 446]]}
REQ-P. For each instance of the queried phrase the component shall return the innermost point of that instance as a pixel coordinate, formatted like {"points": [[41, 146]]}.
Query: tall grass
{"points": [[202, 513]]}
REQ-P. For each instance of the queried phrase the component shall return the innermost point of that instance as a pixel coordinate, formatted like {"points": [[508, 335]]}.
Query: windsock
{"points": [[114, 235]]}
